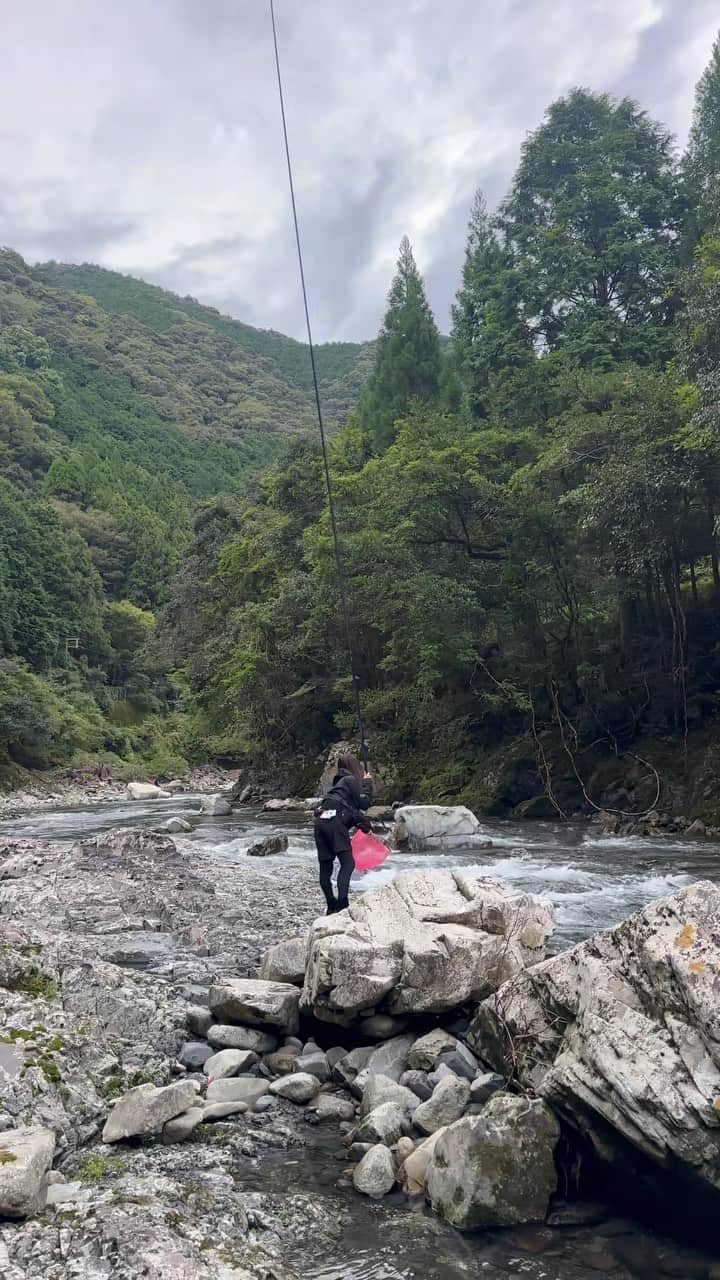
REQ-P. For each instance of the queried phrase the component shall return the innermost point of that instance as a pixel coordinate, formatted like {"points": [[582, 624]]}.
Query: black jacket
{"points": [[351, 796]]}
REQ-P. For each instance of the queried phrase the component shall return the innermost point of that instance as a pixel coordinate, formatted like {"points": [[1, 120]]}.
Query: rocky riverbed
{"points": [[110, 950]]}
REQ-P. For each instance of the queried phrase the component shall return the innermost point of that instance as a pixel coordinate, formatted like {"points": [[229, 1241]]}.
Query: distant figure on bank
{"points": [[343, 807]]}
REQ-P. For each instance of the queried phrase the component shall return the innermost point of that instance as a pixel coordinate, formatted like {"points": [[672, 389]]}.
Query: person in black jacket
{"points": [[343, 807]]}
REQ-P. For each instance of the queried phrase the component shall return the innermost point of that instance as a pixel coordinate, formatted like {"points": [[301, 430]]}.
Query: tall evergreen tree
{"points": [[591, 216], [490, 336], [701, 163], [407, 360]]}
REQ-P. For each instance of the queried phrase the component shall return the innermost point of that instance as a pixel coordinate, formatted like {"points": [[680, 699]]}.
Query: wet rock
{"points": [[389, 1059], [461, 1061], [447, 1104], [285, 962], [577, 1213], [194, 1055], [621, 1034], [283, 1062], [314, 1062], [216, 806], [426, 1051], [229, 1062], [199, 1020], [237, 1089], [413, 1174], [697, 828], [484, 1086], [385, 1124], [289, 805], [375, 1174], [175, 786], [252, 1002], [380, 1089], [25, 1156], [223, 1035], [175, 826], [145, 1109], [334, 1055], [299, 1087], [268, 846], [496, 1169], [424, 943], [348, 1067], [266, 1103], [328, 1107], [357, 1150], [146, 791], [181, 1127], [419, 1082]]}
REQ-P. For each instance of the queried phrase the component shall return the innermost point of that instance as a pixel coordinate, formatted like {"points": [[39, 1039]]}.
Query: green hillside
{"points": [[274, 359], [122, 409]]}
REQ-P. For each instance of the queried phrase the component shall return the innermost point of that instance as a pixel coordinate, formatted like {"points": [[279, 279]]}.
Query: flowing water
{"points": [[594, 882]]}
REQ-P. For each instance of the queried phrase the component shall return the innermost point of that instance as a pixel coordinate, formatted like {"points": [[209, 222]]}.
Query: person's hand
{"points": [[368, 775]]}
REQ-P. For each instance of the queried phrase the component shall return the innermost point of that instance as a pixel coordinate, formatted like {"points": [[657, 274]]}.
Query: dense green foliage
{"points": [[121, 409], [530, 533]]}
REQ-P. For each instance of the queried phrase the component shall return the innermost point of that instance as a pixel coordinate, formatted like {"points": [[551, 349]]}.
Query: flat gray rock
{"points": [[146, 1109], [238, 1089], [270, 1006], [221, 1110], [194, 1054], [285, 962], [224, 1035], [299, 1087], [229, 1062]]}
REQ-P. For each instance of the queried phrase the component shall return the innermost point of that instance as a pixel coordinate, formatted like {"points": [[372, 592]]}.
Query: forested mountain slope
{"points": [[121, 408]]}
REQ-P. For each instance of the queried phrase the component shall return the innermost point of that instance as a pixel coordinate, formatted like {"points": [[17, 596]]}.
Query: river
{"points": [[594, 882]]}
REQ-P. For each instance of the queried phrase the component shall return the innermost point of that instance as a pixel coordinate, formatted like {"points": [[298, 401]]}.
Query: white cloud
{"points": [[147, 137]]}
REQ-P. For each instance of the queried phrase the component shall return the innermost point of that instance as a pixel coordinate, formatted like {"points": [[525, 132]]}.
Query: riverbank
{"points": [[27, 791], [106, 945]]}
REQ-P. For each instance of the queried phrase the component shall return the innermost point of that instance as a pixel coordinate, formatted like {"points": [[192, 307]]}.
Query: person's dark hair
{"points": [[351, 764]]}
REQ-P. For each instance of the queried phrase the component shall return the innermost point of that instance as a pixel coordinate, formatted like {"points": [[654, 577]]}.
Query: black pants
{"points": [[333, 841]]}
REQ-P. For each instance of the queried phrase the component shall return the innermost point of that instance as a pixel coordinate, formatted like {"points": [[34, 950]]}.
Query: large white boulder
{"points": [[496, 1169], [424, 826], [146, 791], [424, 943], [25, 1156], [621, 1034]]}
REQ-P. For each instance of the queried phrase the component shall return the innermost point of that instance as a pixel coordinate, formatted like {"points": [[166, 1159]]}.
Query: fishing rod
{"points": [[339, 566]]}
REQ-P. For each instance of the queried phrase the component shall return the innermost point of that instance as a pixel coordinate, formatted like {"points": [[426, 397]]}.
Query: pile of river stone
{"points": [[412, 1101]]}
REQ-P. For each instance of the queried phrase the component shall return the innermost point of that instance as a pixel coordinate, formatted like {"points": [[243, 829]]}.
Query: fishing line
{"points": [[342, 583]]}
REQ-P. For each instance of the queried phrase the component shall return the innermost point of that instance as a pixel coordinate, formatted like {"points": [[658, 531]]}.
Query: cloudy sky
{"points": [[146, 137]]}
